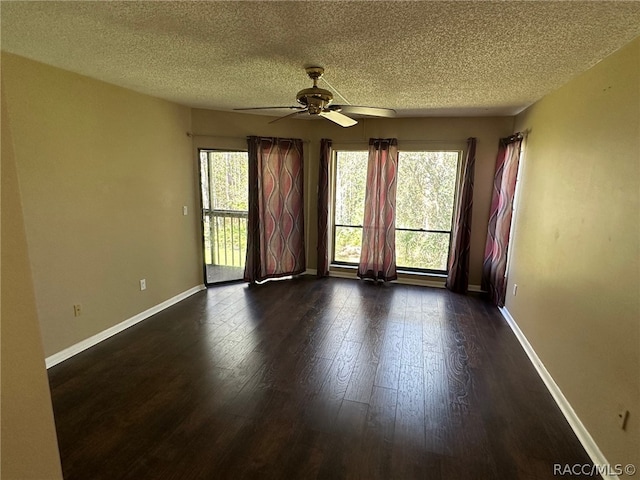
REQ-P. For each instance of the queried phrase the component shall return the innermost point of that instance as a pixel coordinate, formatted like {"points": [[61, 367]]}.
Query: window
{"points": [[424, 207]]}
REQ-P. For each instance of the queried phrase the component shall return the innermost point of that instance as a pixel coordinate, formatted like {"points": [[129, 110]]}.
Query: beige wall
{"points": [[576, 246], [104, 174], [228, 130], [29, 448]]}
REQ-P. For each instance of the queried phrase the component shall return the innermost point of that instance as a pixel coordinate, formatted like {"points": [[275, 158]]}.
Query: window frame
{"points": [[206, 211], [441, 147]]}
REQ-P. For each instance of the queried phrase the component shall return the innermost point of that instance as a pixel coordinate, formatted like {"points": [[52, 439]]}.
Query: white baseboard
{"points": [[69, 352], [414, 280], [417, 281], [403, 281], [578, 427], [343, 274]]}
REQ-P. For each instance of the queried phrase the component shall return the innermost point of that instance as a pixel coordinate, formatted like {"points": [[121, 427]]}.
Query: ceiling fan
{"points": [[317, 101]]}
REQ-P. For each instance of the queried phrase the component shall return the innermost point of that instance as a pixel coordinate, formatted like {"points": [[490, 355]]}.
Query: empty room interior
{"points": [[429, 269]]}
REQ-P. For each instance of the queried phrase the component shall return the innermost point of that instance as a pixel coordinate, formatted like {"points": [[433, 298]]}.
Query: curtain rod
{"points": [[228, 137], [516, 136], [349, 142]]}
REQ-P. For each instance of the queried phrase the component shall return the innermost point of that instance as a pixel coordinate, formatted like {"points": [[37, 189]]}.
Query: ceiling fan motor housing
{"points": [[315, 99]]}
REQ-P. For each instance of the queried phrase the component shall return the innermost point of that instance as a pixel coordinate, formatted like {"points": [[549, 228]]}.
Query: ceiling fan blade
{"points": [[370, 111], [268, 108], [338, 118], [287, 116]]}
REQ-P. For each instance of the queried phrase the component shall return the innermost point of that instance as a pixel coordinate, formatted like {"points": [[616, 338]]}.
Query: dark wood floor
{"points": [[311, 378]]}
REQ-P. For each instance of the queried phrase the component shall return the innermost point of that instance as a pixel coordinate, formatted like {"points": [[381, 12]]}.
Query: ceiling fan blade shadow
{"points": [[287, 116], [268, 108], [358, 110], [338, 118]]}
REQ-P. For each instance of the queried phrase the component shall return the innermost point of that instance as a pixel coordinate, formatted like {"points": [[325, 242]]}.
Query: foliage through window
{"points": [[424, 207], [224, 187]]}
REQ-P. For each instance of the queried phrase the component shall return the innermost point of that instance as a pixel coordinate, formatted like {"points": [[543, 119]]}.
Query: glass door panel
{"points": [[224, 190]]}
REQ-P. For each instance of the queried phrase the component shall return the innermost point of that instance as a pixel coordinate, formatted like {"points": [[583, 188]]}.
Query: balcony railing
{"points": [[225, 237]]}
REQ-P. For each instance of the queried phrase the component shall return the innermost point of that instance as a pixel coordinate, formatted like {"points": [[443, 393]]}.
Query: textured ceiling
{"points": [[421, 58]]}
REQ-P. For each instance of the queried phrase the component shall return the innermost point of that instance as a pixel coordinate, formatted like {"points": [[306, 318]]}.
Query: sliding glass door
{"points": [[224, 190]]}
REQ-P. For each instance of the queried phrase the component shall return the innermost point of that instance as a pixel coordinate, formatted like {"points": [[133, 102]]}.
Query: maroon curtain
{"points": [[378, 253], [275, 231], [504, 185], [458, 271], [323, 207]]}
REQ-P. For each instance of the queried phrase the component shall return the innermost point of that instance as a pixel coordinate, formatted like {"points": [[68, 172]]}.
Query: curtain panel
{"points": [[458, 271], [378, 252], [275, 230], [504, 185], [323, 207]]}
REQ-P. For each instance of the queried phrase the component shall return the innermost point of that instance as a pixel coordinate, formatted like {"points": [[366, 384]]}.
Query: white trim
{"points": [[414, 280], [342, 274], [578, 427], [419, 282], [69, 352]]}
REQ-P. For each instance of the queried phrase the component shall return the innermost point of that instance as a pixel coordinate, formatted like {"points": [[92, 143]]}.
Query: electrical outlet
{"points": [[143, 284], [185, 210], [515, 289], [623, 416], [77, 310]]}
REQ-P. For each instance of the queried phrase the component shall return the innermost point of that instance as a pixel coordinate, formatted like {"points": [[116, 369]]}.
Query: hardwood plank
{"points": [[389, 366], [334, 338], [438, 412], [308, 451], [375, 460], [412, 344], [410, 409], [409, 458], [346, 446], [457, 366], [324, 406], [363, 375]]}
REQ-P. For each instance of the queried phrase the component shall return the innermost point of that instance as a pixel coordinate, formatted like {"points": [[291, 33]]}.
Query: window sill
{"points": [[404, 276]]}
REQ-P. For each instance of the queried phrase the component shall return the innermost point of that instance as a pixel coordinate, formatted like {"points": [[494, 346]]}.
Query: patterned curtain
{"points": [[275, 236], [458, 276], [378, 253], [323, 207], [504, 186]]}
